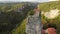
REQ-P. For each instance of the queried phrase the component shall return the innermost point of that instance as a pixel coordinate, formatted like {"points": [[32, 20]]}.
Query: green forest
{"points": [[13, 17]]}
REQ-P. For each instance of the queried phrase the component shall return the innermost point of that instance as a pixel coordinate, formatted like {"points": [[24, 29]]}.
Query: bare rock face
{"points": [[34, 25]]}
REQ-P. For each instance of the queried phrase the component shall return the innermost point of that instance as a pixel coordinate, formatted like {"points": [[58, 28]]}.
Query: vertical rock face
{"points": [[52, 14], [34, 25]]}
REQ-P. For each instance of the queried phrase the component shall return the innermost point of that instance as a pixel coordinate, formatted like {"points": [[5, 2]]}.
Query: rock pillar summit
{"points": [[34, 25]]}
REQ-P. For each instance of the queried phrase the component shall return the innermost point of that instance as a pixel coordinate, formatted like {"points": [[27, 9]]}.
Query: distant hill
{"points": [[49, 5]]}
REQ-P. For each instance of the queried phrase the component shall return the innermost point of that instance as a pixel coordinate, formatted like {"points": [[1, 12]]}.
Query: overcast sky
{"points": [[26, 0]]}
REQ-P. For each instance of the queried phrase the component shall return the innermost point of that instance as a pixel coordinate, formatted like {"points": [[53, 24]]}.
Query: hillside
{"points": [[50, 7], [12, 16]]}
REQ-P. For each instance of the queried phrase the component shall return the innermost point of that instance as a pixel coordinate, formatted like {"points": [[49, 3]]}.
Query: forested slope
{"points": [[12, 16], [46, 7]]}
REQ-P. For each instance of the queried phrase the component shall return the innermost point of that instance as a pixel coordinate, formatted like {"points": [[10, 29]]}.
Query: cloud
{"points": [[53, 0], [26, 0], [23, 0]]}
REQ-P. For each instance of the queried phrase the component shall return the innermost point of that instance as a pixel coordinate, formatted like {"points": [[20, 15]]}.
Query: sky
{"points": [[26, 0]]}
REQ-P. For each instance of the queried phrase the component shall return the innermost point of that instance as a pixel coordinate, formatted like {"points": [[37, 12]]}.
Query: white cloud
{"points": [[53, 0], [23, 0], [19, 0], [26, 0]]}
